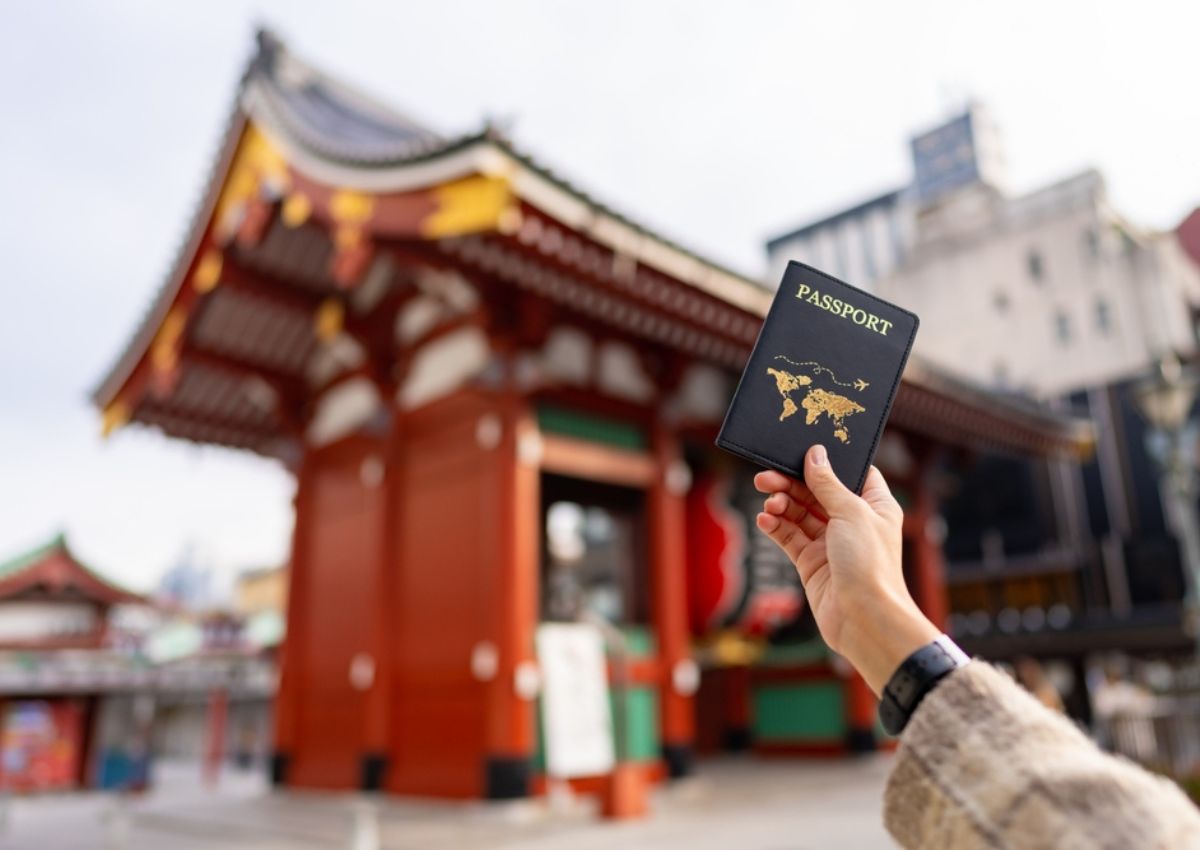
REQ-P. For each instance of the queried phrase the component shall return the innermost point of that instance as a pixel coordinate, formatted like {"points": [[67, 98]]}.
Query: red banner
{"points": [[736, 576]]}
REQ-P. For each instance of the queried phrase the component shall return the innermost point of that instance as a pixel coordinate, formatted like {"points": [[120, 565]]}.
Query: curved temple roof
{"points": [[350, 163], [328, 117]]}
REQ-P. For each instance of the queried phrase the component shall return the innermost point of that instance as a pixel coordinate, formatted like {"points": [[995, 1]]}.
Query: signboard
{"points": [[577, 724], [945, 158]]}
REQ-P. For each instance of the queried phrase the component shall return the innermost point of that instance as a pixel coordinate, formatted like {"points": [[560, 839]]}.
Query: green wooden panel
{"points": [[640, 738], [805, 711], [639, 642], [637, 740], [794, 654], [588, 426]]}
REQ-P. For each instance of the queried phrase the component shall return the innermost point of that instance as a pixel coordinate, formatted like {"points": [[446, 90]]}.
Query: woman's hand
{"points": [[846, 549]]}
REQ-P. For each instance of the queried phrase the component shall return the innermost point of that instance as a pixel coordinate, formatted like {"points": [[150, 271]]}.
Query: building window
{"points": [[593, 552], [1091, 244], [1036, 268], [868, 251], [896, 238], [1128, 243], [839, 251], [1103, 317], [1062, 327]]}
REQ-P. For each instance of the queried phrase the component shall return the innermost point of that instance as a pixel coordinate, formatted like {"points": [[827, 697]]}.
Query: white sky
{"points": [[717, 123]]}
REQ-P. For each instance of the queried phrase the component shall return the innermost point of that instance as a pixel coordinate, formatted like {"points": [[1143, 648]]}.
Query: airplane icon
{"points": [[861, 385]]}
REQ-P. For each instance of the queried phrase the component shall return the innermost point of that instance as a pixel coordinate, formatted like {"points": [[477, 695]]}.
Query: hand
{"points": [[847, 551]]}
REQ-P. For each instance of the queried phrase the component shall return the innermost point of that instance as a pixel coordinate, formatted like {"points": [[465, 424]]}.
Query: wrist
{"points": [[887, 634]]}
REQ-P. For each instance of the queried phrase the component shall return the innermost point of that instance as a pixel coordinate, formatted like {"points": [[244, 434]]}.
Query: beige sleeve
{"points": [[984, 765]]}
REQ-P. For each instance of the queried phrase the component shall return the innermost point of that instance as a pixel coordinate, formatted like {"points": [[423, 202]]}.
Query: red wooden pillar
{"points": [[679, 675], [928, 569], [373, 762], [740, 721], [513, 690], [214, 745], [287, 697], [860, 715]]}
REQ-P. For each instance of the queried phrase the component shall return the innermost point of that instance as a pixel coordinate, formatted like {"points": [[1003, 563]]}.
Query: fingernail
{"points": [[818, 455]]}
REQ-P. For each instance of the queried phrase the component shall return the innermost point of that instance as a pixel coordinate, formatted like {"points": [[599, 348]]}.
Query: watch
{"points": [[915, 678]]}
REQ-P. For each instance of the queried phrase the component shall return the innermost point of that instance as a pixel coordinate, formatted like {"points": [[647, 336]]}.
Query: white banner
{"points": [[576, 721]]}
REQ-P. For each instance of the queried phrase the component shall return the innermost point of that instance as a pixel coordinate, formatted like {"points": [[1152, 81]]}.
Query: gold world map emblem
{"points": [[817, 401]]}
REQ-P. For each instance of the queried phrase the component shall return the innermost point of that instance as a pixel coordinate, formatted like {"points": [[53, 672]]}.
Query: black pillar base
{"points": [[737, 740], [506, 778], [679, 759], [372, 767], [281, 764], [861, 741]]}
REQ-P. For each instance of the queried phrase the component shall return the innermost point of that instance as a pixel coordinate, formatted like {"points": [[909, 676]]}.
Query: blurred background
{"points": [[296, 290]]}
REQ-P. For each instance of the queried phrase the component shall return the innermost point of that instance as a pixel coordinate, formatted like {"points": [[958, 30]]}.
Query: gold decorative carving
{"points": [[296, 209], [329, 319], [208, 271]]}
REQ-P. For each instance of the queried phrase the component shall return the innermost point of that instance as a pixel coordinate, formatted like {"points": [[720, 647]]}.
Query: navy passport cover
{"points": [[825, 369]]}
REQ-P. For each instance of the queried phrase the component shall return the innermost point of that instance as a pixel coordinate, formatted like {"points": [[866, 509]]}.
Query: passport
{"points": [[825, 369]]}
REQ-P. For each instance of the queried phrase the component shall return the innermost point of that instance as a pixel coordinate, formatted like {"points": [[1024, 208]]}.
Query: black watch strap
{"points": [[915, 678]]}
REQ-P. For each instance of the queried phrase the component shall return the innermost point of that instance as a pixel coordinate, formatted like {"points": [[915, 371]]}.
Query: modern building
{"points": [[1055, 296], [867, 242], [499, 398], [261, 590], [1042, 293]]}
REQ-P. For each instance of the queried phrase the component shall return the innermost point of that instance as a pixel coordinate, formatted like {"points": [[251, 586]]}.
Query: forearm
{"points": [[983, 764]]}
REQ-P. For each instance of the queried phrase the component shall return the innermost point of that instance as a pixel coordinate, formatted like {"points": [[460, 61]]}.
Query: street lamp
{"points": [[1165, 402]]}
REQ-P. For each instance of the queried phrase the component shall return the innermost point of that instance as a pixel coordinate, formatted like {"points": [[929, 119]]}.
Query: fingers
{"points": [[800, 513], [833, 496], [810, 561], [770, 481], [785, 534], [806, 554]]}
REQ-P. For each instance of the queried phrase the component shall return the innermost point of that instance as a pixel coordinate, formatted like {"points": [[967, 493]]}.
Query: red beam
{"points": [[190, 426]]}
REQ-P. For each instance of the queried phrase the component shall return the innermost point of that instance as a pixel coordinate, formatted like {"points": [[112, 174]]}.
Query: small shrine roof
{"points": [[52, 568]]}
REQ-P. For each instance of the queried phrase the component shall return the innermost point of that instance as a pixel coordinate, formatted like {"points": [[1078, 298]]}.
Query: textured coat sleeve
{"points": [[983, 764]]}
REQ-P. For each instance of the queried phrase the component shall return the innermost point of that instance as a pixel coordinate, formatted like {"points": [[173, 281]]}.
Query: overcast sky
{"points": [[719, 124]]}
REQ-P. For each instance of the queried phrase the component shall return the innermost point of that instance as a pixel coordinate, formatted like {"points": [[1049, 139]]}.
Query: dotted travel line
{"points": [[818, 369]]}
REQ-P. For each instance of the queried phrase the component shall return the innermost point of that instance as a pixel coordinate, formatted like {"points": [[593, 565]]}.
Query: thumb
{"points": [[834, 496], [878, 495]]}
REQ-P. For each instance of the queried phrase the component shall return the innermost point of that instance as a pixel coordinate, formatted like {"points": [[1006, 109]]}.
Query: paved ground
{"points": [[746, 804]]}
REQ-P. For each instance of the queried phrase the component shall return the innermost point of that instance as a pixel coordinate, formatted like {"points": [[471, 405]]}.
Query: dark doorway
{"points": [[593, 555]]}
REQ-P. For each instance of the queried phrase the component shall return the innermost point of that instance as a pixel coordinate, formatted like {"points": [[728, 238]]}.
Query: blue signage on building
{"points": [[945, 158]]}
